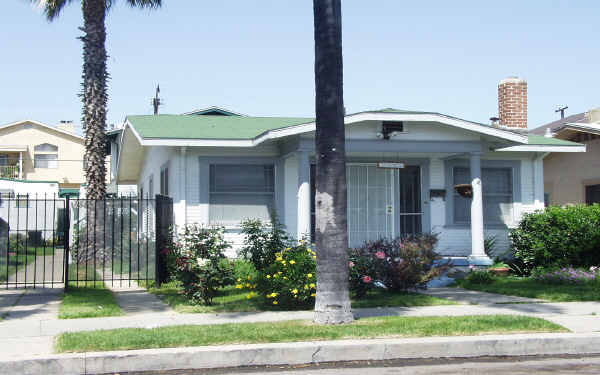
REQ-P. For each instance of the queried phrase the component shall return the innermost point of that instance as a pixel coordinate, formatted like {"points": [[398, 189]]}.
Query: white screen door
{"points": [[370, 203]]}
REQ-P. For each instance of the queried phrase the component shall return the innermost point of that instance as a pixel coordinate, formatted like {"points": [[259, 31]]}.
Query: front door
{"points": [[382, 203]]}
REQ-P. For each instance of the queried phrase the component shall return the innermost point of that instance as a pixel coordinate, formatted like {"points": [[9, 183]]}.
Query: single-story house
{"points": [[573, 178], [402, 166]]}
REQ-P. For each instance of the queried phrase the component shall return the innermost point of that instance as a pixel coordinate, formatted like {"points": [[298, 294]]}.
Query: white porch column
{"points": [[478, 256], [180, 207], [20, 165], [303, 195]]}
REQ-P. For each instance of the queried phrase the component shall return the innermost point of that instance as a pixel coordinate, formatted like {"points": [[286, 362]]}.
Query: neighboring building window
{"points": [[164, 180], [5, 195], [239, 192], [497, 195], [45, 156], [22, 201], [592, 194]]}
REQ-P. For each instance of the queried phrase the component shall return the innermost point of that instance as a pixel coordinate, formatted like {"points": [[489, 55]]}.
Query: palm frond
{"points": [[51, 8], [145, 3]]}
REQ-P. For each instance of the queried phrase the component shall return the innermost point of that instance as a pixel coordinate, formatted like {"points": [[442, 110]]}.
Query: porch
{"points": [[11, 161]]}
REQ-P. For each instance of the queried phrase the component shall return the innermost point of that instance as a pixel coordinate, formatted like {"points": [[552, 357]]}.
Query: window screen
{"points": [[497, 195], [239, 192]]}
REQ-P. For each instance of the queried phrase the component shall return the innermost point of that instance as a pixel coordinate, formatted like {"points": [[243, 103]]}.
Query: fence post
{"points": [[67, 240], [157, 241]]}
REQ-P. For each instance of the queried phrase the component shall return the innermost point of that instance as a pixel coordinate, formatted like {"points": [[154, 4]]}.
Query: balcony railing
{"points": [[9, 171]]}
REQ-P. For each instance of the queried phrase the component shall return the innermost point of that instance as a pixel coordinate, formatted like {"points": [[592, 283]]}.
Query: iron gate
{"points": [[55, 242]]}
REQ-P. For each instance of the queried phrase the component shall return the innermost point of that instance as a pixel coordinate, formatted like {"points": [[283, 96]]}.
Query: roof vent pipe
{"points": [[548, 133]]}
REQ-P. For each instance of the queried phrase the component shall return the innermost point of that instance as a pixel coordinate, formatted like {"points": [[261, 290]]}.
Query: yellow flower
{"points": [[268, 296], [314, 257], [279, 272], [275, 276], [292, 261], [308, 250], [309, 275], [306, 286], [239, 286], [285, 277], [312, 285], [278, 254], [238, 280], [248, 277], [268, 276], [313, 294], [279, 259], [247, 285], [274, 302], [295, 291], [283, 262], [273, 294]]}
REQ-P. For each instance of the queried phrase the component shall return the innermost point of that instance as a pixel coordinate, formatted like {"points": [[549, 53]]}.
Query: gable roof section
{"points": [[22, 122], [219, 111], [554, 125], [245, 131]]}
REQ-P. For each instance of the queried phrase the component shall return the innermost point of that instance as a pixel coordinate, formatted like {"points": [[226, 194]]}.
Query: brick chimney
{"points": [[512, 103]]}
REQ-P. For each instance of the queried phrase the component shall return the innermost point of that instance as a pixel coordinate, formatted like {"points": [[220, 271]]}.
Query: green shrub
{"points": [[262, 241], [397, 265], [290, 281], [558, 236], [16, 242], [200, 262], [479, 277]]}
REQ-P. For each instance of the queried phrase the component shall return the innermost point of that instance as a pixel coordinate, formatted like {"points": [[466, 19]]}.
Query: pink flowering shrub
{"points": [[397, 265]]}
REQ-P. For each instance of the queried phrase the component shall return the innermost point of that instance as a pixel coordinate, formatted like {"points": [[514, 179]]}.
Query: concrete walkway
{"points": [[473, 297], [33, 335], [44, 269], [136, 300]]}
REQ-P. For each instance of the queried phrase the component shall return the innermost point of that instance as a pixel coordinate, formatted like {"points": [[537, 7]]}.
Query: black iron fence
{"points": [[50, 241]]}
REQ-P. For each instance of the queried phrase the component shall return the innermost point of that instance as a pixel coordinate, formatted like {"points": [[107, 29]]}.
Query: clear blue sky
{"points": [[256, 57]]}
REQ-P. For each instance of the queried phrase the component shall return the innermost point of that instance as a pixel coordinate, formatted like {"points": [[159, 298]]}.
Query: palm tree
{"points": [[94, 93], [332, 304]]}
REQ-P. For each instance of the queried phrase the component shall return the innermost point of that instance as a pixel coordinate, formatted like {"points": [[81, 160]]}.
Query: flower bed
{"points": [[568, 275]]}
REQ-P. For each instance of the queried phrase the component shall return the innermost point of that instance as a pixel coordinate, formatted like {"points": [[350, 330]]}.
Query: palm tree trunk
{"points": [[332, 305], [94, 95], [95, 99]]}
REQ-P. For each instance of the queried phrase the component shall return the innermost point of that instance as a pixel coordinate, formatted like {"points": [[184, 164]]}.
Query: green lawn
{"points": [[230, 299], [87, 299], [248, 333], [526, 287], [21, 259]]}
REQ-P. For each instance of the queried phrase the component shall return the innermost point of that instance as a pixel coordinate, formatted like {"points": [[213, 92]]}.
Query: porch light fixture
{"points": [[464, 190]]}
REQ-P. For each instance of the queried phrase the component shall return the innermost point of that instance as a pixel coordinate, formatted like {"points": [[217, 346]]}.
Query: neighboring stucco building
{"points": [[402, 166], [31, 151], [573, 178]]}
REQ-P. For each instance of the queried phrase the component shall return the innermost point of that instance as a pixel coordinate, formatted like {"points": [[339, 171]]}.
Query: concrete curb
{"points": [[305, 352]]}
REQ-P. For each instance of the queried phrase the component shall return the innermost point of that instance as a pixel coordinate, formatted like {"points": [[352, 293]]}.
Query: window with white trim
{"points": [[45, 156], [241, 191], [164, 180], [498, 196]]}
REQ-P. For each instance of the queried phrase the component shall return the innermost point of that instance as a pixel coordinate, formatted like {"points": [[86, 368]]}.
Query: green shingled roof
{"points": [[209, 127], [546, 141]]}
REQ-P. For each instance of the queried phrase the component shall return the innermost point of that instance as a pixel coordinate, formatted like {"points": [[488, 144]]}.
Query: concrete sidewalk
{"points": [[33, 335], [297, 353]]}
